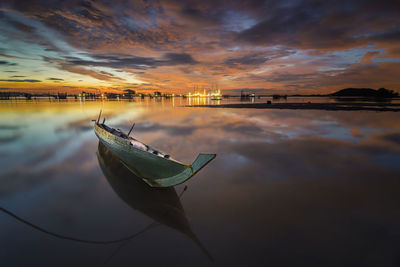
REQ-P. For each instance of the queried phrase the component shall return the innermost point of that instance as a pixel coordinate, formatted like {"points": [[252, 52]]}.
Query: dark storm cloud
{"points": [[393, 35], [55, 79], [283, 77], [16, 24], [9, 139], [312, 24], [202, 15], [133, 62], [6, 63], [171, 59], [325, 24], [8, 56], [75, 65], [9, 127], [280, 24], [20, 81], [252, 59], [256, 58], [210, 12], [95, 24], [17, 76]]}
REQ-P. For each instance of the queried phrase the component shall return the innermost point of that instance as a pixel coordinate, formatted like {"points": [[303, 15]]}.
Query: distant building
{"points": [[128, 93], [62, 96], [112, 96], [86, 95]]}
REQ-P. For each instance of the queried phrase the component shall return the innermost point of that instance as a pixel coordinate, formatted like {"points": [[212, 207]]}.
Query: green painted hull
{"points": [[154, 170]]}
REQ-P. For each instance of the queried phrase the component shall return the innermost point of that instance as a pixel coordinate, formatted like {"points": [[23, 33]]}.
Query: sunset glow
{"points": [[290, 47]]}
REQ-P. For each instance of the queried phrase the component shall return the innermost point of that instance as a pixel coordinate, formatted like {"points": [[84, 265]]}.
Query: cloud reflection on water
{"points": [[306, 188]]}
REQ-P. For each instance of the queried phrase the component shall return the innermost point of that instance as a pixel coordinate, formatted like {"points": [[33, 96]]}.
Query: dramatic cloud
{"points": [[2, 62], [132, 62], [257, 44], [327, 25], [251, 59], [21, 81]]}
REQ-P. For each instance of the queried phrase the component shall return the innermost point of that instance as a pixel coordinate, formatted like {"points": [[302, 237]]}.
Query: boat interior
{"points": [[133, 142]]}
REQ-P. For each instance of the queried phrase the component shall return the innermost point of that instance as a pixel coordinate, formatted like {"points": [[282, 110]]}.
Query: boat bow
{"points": [[189, 171]]}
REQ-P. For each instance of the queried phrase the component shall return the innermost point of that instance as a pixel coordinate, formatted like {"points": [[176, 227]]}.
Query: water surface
{"points": [[288, 188]]}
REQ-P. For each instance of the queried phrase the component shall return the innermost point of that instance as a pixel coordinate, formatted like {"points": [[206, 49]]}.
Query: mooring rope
{"points": [[40, 229], [73, 238]]}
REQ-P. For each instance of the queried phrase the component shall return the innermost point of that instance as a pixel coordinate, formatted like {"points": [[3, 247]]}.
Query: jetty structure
{"points": [[155, 167]]}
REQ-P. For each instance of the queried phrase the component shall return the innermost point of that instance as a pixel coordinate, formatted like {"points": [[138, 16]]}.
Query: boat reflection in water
{"points": [[161, 204]]}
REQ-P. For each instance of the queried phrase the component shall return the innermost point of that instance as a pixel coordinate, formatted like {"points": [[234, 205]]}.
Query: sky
{"points": [[278, 46]]}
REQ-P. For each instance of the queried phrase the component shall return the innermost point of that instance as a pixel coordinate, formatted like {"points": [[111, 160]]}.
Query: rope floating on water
{"points": [[74, 238], [99, 242]]}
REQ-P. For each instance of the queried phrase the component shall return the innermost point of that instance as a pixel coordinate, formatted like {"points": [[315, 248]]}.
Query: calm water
{"points": [[288, 188]]}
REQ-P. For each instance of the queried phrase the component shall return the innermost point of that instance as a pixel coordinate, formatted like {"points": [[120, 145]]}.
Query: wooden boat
{"points": [[156, 168]]}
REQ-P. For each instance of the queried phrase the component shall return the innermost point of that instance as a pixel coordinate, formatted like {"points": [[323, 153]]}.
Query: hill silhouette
{"points": [[366, 92]]}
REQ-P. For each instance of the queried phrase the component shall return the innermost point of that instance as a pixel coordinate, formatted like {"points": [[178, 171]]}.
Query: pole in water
{"points": [[98, 119], [104, 120], [131, 129]]}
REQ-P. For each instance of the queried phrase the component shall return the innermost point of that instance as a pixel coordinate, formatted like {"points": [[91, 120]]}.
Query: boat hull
{"points": [[154, 170]]}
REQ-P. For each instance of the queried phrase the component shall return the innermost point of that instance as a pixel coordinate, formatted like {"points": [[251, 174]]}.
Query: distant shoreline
{"points": [[312, 106], [363, 93]]}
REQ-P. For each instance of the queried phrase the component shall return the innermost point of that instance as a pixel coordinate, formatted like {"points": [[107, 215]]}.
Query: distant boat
{"points": [[156, 168]]}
